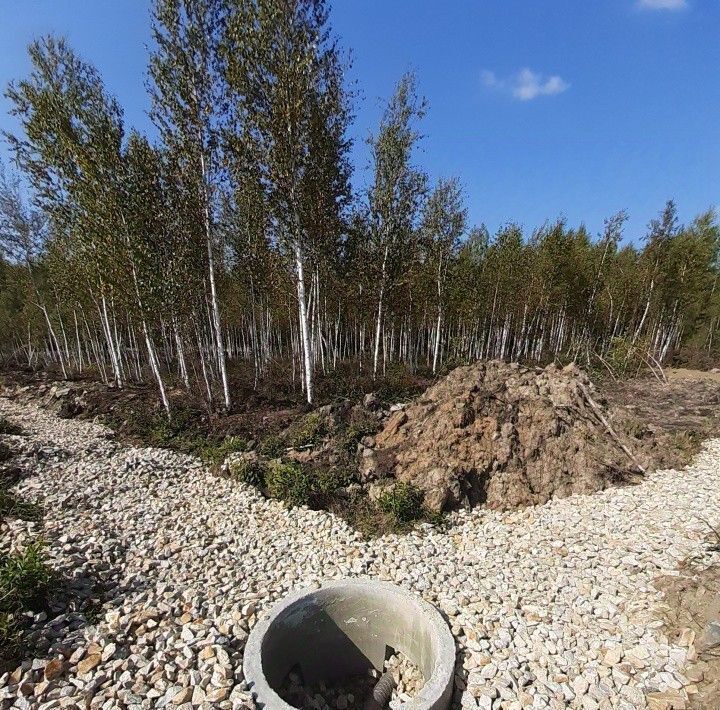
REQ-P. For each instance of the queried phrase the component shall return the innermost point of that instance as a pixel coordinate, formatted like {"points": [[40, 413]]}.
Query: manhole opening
{"points": [[330, 646], [355, 691]]}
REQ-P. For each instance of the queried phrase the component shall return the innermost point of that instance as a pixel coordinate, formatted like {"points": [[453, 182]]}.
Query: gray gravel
{"points": [[551, 606]]}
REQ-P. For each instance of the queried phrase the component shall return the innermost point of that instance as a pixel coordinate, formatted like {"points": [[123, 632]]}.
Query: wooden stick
{"points": [[606, 424]]}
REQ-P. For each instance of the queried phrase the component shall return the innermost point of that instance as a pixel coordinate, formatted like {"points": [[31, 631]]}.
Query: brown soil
{"points": [[667, 422], [504, 435], [691, 606]]}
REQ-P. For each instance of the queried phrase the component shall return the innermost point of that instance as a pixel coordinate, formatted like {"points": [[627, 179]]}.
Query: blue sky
{"points": [[550, 108]]}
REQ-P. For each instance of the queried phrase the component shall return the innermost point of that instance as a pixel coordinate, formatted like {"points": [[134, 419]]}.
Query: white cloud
{"points": [[489, 78], [529, 85], [526, 84], [663, 4]]}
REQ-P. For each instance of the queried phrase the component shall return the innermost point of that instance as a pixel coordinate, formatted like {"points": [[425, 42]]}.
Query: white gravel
{"points": [[551, 606]]}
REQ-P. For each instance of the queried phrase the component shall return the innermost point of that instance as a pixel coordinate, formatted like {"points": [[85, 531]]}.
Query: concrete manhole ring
{"points": [[343, 628]]}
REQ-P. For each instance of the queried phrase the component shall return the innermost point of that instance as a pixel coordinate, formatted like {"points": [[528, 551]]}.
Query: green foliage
{"points": [[272, 446], [355, 431], [122, 239], [25, 581], [185, 432], [24, 578], [626, 358], [404, 502], [290, 482], [181, 433], [218, 452], [251, 472], [399, 384], [329, 480], [306, 431]]}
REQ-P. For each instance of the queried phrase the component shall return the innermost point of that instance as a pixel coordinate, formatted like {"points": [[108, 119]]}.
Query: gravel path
{"points": [[551, 606]]}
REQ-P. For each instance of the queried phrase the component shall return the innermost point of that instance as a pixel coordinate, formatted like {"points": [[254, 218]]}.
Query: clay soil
{"points": [[692, 601], [668, 421]]}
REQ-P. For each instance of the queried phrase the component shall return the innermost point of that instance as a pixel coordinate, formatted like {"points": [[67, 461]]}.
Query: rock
{"points": [[613, 656], [108, 652], [371, 401], [89, 663], [538, 599], [54, 669], [710, 638], [184, 695]]}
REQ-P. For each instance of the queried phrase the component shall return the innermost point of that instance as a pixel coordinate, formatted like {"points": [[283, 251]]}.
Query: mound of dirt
{"points": [[502, 435]]}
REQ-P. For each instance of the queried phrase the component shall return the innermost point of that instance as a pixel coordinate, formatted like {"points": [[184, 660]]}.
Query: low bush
{"points": [[217, 452], [271, 446], [251, 472], [290, 482], [404, 502], [329, 480], [25, 582], [356, 430]]}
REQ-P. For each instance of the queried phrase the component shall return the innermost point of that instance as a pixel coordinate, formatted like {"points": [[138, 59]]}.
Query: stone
{"points": [[54, 669], [89, 663], [184, 695]]}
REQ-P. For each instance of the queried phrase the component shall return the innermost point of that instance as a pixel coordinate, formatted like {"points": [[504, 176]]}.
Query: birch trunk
{"points": [[304, 326]]}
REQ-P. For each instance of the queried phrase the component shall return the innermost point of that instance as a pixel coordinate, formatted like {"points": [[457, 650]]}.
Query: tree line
{"points": [[236, 237]]}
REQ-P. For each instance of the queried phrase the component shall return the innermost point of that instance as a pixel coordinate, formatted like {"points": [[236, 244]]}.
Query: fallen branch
{"points": [[607, 366], [611, 431]]}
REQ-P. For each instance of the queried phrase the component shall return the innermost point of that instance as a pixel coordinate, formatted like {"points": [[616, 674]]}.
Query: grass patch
{"points": [[290, 482], [183, 433], [306, 431], [297, 484], [398, 514], [217, 451], [25, 582], [355, 431], [404, 502], [272, 446]]}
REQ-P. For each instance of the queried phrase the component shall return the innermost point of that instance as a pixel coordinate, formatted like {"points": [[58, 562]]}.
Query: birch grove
{"points": [[233, 253]]}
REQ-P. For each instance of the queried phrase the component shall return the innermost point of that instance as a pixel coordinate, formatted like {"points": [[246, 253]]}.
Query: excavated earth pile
{"points": [[502, 435]]}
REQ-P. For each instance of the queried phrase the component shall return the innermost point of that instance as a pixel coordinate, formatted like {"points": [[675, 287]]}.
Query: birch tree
{"points": [[443, 224], [187, 94], [395, 194], [285, 77]]}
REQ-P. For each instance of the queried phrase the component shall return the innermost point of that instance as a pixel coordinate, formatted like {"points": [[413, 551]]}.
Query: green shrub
{"points": [[328, 480], [217, 452], [24, 579], [25, 582], [271, 446], [250, 472], [404, 502], [357, 429], [7, 427], [306, 431], [289, 482]]}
